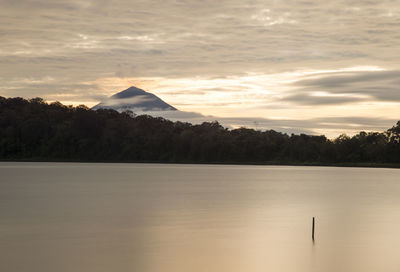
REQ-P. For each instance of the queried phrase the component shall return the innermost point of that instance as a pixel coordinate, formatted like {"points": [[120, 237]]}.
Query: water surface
{"points": [[194, 218]]}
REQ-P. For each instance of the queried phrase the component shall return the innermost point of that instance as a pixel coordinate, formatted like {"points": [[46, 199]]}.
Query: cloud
{"points": [[347, 87], [309, 99], [222, 58], [130, 100], [342, 79], [218, 38]]}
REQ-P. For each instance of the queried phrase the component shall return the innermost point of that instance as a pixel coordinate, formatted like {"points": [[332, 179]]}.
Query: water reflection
{"points": [[173, 218]]}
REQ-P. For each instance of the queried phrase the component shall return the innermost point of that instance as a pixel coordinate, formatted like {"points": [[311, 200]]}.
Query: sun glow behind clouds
{"points": [[196, 56], [238, 100], [226, 95]]}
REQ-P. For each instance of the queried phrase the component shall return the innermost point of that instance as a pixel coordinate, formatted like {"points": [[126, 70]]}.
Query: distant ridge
{"points": [[134, 99]]}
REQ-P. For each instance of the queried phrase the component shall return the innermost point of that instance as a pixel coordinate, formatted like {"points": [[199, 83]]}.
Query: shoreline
{"points": [[272, 163]]}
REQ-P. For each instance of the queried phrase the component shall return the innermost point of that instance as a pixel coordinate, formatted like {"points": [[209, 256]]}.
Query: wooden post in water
{"points": [[313, 227]]}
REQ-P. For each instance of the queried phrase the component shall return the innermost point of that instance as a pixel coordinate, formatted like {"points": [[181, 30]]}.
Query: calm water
{"points": [[192, 218]]}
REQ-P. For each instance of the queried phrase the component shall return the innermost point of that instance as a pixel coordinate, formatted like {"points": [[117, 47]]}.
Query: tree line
{"points": [[35, 130]]}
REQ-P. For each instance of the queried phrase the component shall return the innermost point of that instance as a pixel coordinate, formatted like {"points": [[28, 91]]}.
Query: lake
{"points": [[83, 217]]}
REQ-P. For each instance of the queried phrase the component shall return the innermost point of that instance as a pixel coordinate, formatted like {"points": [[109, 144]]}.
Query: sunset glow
{"points": [[262, 60]]}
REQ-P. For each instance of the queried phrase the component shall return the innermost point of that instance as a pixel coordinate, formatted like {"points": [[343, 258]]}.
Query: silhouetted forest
{"points": [[35, 130]]}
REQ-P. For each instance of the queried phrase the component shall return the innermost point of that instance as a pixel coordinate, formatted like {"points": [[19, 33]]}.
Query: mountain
{"points": [[134, 99]]}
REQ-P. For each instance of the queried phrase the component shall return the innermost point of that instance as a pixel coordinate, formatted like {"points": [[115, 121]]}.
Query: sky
{"points": [[319, 67]]}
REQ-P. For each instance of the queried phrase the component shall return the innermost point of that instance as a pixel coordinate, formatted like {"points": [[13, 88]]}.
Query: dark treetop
{"points": [[35, 130]]}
